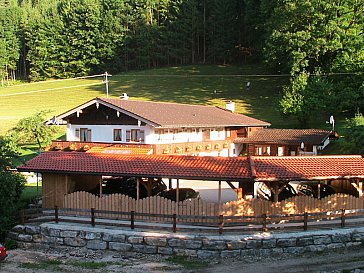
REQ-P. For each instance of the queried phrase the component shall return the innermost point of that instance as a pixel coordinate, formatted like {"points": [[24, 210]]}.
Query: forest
{"points": [[319, 43]]}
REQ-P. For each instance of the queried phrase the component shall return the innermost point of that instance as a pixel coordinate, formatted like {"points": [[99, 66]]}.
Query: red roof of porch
{"points": [[187, 167], [200, 168], [307, 167]]}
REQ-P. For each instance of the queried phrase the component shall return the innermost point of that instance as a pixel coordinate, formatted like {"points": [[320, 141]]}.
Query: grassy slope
{"points": [[187, 84]]}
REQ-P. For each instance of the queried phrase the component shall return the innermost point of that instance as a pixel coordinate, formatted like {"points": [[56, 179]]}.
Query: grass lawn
{"points": [[29, 194], [199, 84], [204, 84]]}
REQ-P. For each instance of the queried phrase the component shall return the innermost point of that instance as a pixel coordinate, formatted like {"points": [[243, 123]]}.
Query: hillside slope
{"points": [[204, 84]]}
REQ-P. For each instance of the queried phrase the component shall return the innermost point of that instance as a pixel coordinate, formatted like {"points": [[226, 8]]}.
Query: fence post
{"points": [[305, 220], [22, 216], [93, 217], [132, 219], [221, 223], [343, 218], [56, 214], [264, 222], [174, 223]]}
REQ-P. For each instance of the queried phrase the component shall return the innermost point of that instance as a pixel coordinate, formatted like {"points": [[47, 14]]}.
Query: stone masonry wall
{"points": [[49, 235]]}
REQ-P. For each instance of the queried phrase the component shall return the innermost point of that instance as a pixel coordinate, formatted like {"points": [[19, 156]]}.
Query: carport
{"points": [[276, 172], [67, 172]]}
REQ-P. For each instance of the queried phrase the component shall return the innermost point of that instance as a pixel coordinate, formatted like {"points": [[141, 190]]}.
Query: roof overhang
{"points": [[60, 119], [183, 167]]}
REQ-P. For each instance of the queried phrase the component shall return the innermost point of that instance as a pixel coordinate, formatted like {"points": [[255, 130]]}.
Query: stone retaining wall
{"points": [[49, 235]]}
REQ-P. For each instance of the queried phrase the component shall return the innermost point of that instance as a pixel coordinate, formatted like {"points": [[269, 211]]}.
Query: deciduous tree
{"points": [[34, 129]]}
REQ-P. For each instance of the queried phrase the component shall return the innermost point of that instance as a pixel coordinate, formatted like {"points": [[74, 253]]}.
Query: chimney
{"points": [[124, 96], [230, 106]]}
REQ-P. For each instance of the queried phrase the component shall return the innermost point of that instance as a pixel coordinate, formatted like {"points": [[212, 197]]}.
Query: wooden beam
{"points": [[177, 196], [231, 185], [100, 187], [219, 198], [276, 188], [137, 189]]}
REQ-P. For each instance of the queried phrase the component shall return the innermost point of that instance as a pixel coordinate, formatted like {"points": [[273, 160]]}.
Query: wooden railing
{"points": [[174, 222]]}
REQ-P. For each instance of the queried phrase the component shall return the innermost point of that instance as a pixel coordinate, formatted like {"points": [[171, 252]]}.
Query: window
{"points": [[117, 135], [228, 133], [134, 135], [83, 134], [262, 150]]}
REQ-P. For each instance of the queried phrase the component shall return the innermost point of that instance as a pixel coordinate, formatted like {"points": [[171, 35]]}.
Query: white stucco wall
{"points": [[104, 133]]}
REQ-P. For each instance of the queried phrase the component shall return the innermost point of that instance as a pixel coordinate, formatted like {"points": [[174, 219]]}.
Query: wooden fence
{"points": [[150, 205], [199, 207], [293, 205]]}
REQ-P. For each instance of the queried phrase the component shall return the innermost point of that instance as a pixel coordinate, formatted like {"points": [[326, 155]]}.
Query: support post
{"points": [[93, 217], [221, 223], [219, 197], [343, 218], [177, 197], [174, 223], [100, 188], [56, 214], [264, 222], [137, 189], [170, 184], [319, 191], [132, 219], [305, 221]]}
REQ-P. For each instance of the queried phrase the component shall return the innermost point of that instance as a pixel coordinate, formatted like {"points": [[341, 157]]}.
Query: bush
{"points": [[11, 186]]}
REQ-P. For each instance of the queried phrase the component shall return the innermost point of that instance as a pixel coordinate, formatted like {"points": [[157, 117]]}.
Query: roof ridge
{"points": [[159, 102]]}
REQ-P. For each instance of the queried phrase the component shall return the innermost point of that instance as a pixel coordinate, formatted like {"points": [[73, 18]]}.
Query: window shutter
{"points": [[128, 135], [141, 136]]}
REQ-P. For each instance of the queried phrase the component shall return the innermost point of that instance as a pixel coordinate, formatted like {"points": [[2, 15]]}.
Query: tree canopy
{"points": [[34, 128], [320, 43], [326, 37]]}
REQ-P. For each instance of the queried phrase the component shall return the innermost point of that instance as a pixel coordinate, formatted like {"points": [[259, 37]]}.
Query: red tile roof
{"points": [[173, 115], [187, 167], [286, 136], [312, 168], [184, 115], [203, 168]]}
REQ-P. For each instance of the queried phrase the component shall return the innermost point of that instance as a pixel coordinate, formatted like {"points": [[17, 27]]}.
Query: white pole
{"points": [[107, 85]]}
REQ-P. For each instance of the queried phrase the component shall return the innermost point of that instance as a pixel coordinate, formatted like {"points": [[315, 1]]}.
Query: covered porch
{"points": [[68, 176]]}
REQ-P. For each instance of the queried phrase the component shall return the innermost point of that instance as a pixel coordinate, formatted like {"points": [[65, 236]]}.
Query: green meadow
{"points": [[203, 84]]}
